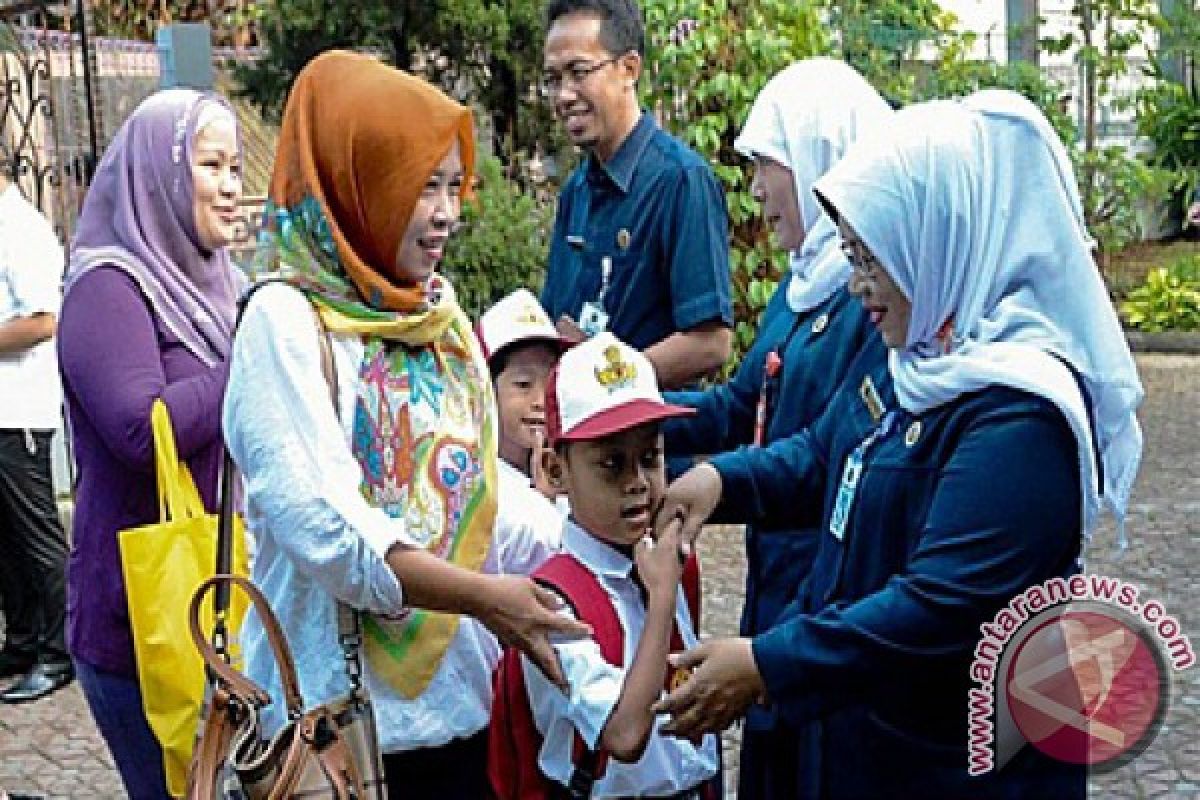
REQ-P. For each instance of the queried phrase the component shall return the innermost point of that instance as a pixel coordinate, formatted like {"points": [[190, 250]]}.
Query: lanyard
{"points": [[852, 474], [605, 276]]}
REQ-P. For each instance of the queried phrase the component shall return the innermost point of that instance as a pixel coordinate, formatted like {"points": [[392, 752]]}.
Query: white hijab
{"points": [[972, 209], [805, 118]]}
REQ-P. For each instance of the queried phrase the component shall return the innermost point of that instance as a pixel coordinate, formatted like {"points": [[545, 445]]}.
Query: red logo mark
{"points": [[1086, 687]]}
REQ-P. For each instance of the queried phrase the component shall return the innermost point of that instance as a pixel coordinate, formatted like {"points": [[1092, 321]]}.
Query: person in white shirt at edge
{"points": [[388, 504], [603, 427], [521, 346], [33, 548]]}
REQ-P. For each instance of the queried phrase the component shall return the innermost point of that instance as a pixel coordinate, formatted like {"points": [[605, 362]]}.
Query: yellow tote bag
{"points": [[163, 564]]}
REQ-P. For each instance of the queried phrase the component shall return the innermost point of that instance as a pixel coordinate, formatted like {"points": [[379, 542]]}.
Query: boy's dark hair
{"points": [[621, 29], [499, 361]]}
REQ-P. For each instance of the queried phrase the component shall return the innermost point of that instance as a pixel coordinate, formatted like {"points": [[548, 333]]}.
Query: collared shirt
{"points": [[656, 211], [669, 765], [318, 538], [31, 271]]}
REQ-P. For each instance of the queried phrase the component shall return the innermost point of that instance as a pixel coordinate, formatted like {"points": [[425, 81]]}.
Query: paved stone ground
{"points": [[52, 747]]}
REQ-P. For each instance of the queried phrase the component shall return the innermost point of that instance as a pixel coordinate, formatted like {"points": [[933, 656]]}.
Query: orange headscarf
{"points": [[361, 138]]}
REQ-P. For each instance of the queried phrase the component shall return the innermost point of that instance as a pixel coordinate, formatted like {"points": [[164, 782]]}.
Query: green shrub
{"points": [[1168, 114], [1169, 300], [503, 244]]}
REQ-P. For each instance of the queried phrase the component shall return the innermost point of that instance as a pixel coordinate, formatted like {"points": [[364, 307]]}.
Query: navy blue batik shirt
{"points": [[656, 214]]}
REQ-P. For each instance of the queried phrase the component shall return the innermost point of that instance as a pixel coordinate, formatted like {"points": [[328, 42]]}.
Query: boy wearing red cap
{"points": [[603, 413]]}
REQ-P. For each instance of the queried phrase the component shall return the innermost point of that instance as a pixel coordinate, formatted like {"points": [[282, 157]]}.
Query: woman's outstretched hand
{"points": [[524, 615], [725, 681]]}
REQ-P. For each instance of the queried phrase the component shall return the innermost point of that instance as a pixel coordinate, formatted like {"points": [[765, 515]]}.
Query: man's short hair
{"points": [[621, 28]]}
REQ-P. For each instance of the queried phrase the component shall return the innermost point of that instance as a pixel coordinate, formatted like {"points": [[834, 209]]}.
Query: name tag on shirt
{"points": [[593, 319], [851, 475]]}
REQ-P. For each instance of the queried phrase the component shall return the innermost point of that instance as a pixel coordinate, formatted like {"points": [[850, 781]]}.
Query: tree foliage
{"points": [[707, 60], [883, 38], [232, 21], [1168, 111], [484, 51], [1110, 179], [504, 241]]}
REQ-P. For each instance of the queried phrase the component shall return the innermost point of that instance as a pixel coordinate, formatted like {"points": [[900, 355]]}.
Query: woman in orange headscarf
{"points": [[383, 500]]}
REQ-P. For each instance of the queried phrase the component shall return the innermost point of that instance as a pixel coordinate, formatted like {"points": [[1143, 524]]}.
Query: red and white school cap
{"points": [[601, 387], [517, 317]]}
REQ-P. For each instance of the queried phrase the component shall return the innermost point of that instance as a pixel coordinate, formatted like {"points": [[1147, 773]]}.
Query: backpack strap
{"points": [[691, 589], [566, 576]]}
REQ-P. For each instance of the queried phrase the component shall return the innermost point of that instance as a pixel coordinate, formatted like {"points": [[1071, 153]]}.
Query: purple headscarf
{"points": [[138, 216]]}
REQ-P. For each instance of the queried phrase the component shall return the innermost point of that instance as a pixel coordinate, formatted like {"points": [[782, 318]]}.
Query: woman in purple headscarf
{"points": [[149, 313]]}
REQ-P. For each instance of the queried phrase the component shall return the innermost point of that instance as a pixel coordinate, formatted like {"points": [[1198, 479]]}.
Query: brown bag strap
{"points": [[239, 684], [211, 748]]}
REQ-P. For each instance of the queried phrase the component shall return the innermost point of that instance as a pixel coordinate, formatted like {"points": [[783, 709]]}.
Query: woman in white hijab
{"points": [[1014, 423], [801, 123]]}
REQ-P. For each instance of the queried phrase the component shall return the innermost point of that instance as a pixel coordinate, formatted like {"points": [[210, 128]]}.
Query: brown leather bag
{"points": [[329, 751]]}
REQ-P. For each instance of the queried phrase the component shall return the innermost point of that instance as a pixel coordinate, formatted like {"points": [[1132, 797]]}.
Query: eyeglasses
{"points": [[862, 260], [573, 76]]}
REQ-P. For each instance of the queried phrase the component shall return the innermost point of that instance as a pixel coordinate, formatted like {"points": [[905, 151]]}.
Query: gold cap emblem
{"points": [[531, 315], [615, 374]]}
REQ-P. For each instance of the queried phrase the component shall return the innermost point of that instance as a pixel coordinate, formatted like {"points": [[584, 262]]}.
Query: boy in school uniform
{"points": [[606, 452], [521, 346]]}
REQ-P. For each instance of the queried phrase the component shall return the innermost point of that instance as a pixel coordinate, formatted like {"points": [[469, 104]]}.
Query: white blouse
{"points": [[317, 538]]}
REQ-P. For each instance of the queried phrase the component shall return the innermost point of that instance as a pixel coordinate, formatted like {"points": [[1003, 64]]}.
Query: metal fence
{"points": [[49, 114]]}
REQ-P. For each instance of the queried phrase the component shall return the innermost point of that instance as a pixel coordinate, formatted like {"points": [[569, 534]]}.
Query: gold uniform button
{"points": [[820, 323], [913, 433]]}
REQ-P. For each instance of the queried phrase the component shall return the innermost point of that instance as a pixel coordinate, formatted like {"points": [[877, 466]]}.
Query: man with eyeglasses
{"points": [[640, 245]]}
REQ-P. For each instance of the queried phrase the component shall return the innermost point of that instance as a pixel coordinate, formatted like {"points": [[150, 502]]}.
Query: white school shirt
{"points": [[31, 271], [528, 525], [318, 538], [669, 765]]}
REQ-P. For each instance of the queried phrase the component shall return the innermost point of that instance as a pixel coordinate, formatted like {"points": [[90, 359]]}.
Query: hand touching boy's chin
{"points": [[615, 483]]}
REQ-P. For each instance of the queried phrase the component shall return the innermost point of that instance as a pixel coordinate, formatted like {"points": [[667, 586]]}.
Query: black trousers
{"points": [[33, 550], [455, 771]]}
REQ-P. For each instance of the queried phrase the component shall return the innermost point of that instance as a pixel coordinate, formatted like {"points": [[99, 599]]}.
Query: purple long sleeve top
{"points": [[116, 358]]}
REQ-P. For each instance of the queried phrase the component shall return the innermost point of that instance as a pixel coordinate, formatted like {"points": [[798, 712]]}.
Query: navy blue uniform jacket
{"points": [[957, 510]]}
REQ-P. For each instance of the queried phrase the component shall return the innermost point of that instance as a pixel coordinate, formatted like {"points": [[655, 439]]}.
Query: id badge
{"points": [[593, 318], [852, 474], [845, 493]]}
